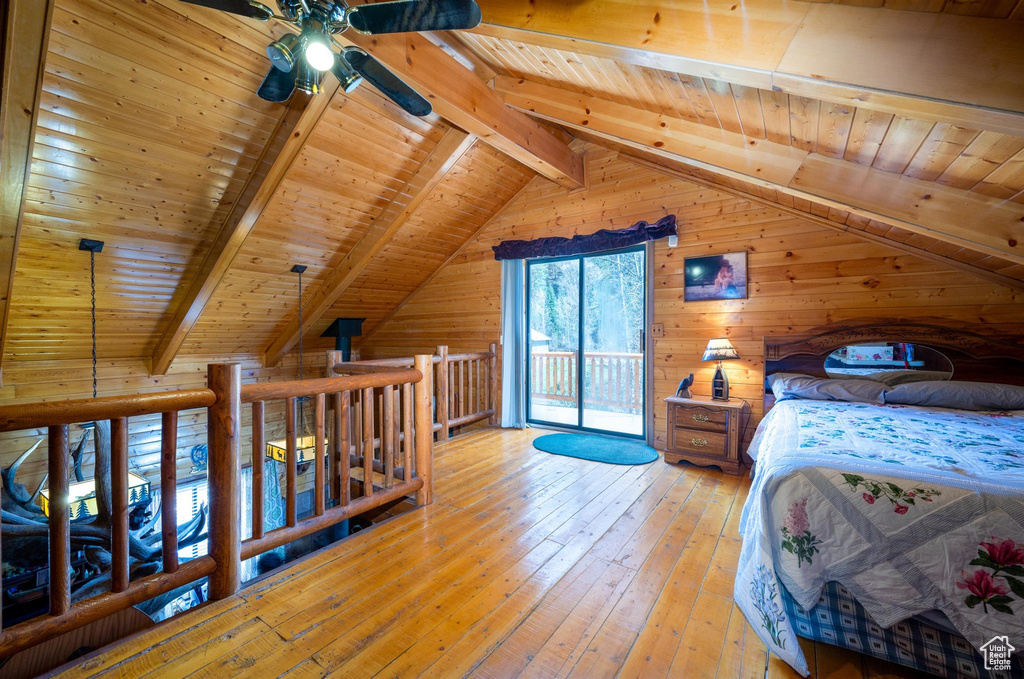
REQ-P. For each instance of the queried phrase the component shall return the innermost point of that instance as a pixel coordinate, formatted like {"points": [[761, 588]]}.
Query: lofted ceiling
{"points": [[148, 135]]}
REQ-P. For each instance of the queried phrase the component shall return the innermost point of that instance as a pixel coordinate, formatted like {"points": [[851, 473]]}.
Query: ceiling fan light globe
{"points": [[309, 79], [282, 52], [319, 55]]}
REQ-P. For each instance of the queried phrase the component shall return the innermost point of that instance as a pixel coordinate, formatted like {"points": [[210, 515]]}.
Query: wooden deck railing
{"points": [[609, 379], [408, 389], [465, 385]]}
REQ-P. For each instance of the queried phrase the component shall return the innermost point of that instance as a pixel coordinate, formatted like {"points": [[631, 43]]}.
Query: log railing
{"points": [[406, 431], [613, 380], [56, 417], [465, 385]]}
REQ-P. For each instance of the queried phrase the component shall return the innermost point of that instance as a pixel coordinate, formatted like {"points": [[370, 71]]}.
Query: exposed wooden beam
{"points": [[441, 159], [451, 258], [943, 67], [664, 166], [300, 118], [458, 95], [26, 31], [967, 219]]}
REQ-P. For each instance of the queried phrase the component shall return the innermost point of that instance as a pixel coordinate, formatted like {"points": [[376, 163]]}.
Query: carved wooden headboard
{"points": [[975, 357]]}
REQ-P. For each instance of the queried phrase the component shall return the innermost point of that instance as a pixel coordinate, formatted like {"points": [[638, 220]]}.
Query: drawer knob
{"points": [[700, 417], [698, 442]]}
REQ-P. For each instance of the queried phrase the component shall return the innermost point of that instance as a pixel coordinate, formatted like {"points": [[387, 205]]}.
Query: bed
{"points": [[894, 530]]}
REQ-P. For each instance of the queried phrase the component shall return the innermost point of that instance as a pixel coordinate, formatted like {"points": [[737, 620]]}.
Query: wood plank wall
{"points": [[801, 276]]}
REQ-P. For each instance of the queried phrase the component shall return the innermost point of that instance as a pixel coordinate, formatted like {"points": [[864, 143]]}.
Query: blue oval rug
{"points": [[597, 448]]}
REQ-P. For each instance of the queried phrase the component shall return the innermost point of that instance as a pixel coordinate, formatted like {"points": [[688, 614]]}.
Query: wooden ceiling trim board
{"points": [[995, 227], [766, 160], [444, 156], [26, 37], [944, 86], [451, 258], [459, 96], [297, 122], [937, 257]]}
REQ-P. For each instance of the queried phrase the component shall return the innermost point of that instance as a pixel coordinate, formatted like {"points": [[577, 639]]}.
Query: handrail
{"points": [[48, 413], [465, 385], [613, 379], [267, 391]]}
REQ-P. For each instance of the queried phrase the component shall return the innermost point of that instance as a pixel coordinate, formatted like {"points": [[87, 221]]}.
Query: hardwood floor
{"points": [[527, 564]]}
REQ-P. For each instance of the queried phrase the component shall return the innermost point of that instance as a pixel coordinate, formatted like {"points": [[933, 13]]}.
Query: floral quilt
{"points": [[911, 509]]}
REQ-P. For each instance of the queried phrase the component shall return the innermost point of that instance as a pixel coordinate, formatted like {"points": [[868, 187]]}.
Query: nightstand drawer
{"points": [[695, 417], [699, 441]]}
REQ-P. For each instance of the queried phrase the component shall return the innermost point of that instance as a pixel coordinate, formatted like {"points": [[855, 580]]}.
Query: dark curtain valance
{"points": [[605, 239]]}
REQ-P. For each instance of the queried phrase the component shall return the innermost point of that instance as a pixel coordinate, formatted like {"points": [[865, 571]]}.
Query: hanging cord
{"points": [[92, 285]]}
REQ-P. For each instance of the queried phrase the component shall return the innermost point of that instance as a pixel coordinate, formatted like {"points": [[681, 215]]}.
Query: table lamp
{"points": [[720, 350]]}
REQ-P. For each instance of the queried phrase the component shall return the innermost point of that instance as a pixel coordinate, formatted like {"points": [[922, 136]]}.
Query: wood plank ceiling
{"points": [[978, 161], [149, 129]]}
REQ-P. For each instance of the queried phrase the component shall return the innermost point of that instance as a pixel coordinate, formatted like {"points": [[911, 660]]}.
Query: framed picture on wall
{"points": [[715, 277]]}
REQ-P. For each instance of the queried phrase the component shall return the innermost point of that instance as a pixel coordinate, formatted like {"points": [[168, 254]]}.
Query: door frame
{"points": [[647, 413]]}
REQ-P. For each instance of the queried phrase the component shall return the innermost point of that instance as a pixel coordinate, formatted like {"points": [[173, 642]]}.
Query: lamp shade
{"points": [[305, 449], [82, 496], [720, 350]]}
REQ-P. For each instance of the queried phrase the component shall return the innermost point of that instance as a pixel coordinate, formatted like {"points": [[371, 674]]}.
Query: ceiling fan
{"points": [[300, 60]]}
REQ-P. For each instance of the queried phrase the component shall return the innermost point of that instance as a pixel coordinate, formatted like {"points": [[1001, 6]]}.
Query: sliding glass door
{"points": [[585, 317]]}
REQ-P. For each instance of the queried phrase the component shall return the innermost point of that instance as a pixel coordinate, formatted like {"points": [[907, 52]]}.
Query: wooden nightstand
{"points": [[705, 432]]}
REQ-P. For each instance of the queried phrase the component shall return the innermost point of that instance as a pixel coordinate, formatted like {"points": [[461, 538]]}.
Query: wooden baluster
{"points": [[407, 417], [357, 423], [443, 411], [387, 445], [319, 415], [638, 397], [59, 521], [169, 489], [259, 457], [119, 504], [424, 431], [396, 435], [381, 431], [223, 423], [334, 433], [345, 462], [471, 397], [462, 388], [337, 446], [453, 392], [619, 380], [291, 463], [367, 401], [492, 384]]}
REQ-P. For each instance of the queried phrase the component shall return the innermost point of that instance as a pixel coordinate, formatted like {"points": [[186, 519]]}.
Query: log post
{"points": [[223, 424], [119, 497], [169, 489], [344, 426], [442, 392], [425, 427], [335, 435], [60, 521], [492, 384], [319, 409], [291, 463], [259, 456]]}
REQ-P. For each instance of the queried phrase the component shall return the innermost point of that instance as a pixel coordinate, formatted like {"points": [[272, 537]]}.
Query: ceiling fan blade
{"points": [[246, 8], [388, 83], [404, 16], [278, 85]]}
